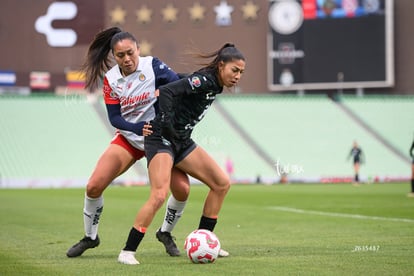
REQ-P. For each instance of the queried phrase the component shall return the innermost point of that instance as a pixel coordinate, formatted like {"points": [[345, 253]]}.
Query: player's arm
{"points": [[117, 121], [194, 83], [163, 73], [165, 101], [169, 91], [113, 108]]}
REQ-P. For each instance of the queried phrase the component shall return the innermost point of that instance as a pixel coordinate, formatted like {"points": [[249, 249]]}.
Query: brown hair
{"points": [[228, 52], [97, 61]]}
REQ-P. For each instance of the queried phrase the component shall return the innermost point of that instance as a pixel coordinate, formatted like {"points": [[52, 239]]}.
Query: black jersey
{"points": [[356, 153], [184, 103]]}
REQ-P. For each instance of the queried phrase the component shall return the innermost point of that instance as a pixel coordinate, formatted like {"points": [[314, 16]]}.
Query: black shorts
{"points": [[178, 149]]}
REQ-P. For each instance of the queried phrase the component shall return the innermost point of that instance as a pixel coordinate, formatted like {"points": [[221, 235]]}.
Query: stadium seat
{"points": [[49, 140], [56, 140]]}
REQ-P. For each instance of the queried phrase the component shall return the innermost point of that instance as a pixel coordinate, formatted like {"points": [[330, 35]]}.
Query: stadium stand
{"points": [[312, 136], [391, 117], [50, 141], [54, 141], [221, 140]]}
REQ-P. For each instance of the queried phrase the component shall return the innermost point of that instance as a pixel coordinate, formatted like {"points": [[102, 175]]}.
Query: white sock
{"points": [[92, 211], [173, 213]]}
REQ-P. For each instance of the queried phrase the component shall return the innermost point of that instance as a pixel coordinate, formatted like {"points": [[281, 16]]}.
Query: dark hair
{"points": [[97, 61], [228, 52]]}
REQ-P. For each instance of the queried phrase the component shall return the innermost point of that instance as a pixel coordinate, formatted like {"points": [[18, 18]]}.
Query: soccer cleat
{"points": [[127, 257], [168, 241], [223, 253], [81, 246]]}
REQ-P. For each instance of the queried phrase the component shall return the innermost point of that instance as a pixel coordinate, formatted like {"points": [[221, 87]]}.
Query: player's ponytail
{"points": [[97, 61], [228, 52]]}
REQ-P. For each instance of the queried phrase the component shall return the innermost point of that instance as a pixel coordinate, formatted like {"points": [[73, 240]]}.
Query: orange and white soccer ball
{"points": [[202, 246]]}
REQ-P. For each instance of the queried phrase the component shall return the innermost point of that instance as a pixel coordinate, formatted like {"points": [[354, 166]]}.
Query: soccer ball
{"points": [[202, 246]]}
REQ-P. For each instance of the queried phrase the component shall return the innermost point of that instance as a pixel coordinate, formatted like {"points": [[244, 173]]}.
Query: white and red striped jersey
{"points": [[135, 93]]}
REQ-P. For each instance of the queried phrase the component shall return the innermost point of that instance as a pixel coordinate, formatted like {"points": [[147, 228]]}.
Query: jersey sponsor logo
{"points": [[135, 100], [199, 118], [195, 81], [210, 96]]}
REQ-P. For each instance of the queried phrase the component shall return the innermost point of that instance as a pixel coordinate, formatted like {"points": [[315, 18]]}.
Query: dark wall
{"points": [[25, 50], [404, 46]]}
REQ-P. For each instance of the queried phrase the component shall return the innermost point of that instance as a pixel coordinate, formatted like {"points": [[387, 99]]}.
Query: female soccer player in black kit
{"points": [[358, 158], [182, 104]]}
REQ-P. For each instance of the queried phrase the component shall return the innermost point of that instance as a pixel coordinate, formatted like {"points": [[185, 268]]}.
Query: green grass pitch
{"points": [[296, 229]]}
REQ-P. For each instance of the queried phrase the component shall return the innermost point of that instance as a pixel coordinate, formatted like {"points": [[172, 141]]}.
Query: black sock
{"points": [[134, 239], [356, 177], [412, 185], [207, 223]]}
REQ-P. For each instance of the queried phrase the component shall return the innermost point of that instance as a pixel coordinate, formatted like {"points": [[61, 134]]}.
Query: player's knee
{"points": [[94, 189], [222, 185], [158, 199], [227, 184], [180, 186], [181, 193]]}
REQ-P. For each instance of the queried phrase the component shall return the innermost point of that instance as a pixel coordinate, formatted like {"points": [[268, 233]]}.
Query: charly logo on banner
{"points": [[58, 37]]}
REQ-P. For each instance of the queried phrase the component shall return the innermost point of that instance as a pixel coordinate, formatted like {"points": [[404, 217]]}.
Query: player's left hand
{"points": [[147, 129]]}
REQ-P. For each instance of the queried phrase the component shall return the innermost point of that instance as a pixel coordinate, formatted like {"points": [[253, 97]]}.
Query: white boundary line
{"points": [[329, 214]]}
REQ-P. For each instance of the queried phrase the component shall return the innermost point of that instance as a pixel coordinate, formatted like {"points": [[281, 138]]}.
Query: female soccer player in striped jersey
{"points": [[129, 93]]}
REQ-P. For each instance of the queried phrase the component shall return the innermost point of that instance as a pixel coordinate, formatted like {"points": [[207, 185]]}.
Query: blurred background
{"points": [[320, 75]]}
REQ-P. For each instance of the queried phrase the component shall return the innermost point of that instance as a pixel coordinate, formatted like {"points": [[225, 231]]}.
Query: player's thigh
{"points": [[199, 164], [159, 171], [113, 162]]}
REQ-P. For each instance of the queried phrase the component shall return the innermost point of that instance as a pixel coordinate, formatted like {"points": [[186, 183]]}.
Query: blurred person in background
{"points": [[229, 165], [358, 158]]}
